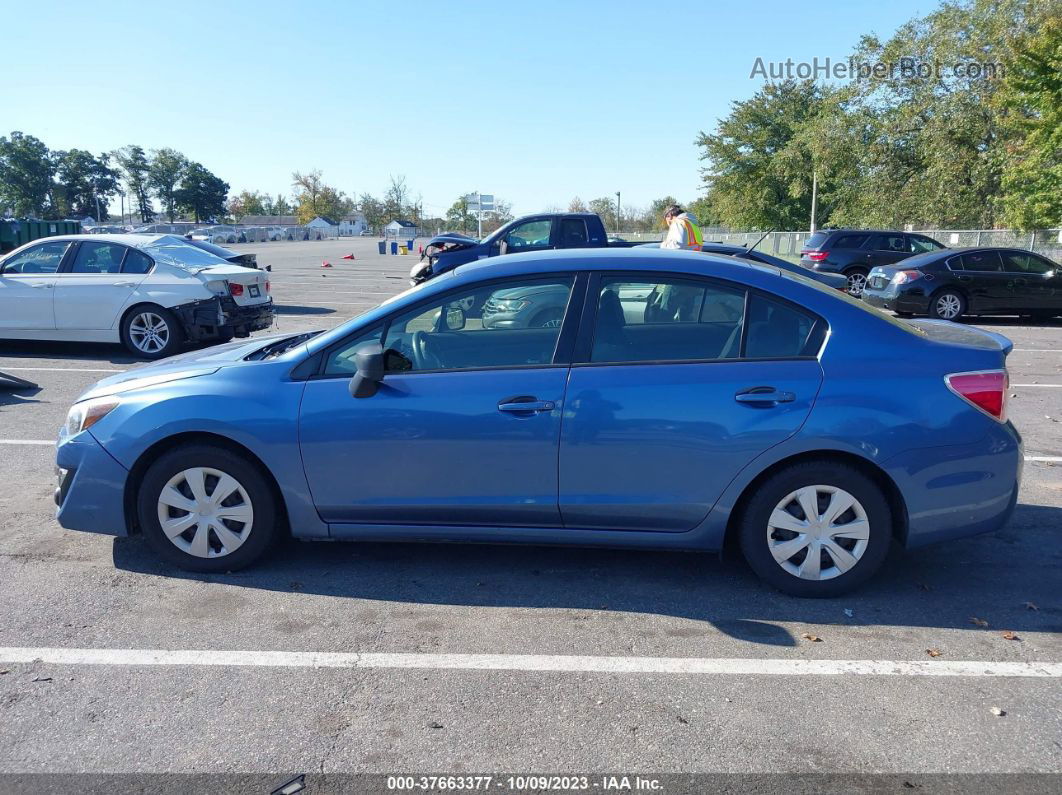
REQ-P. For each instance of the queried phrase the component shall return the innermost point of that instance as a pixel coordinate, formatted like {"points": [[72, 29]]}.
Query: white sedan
{"points": [[149, 292]]}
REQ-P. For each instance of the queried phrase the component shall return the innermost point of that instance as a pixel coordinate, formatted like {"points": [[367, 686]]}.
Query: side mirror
{"points": [[370, 363], [455, 318]]}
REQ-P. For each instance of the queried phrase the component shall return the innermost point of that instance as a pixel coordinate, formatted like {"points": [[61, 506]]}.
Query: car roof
{"points": [[126, 239], [613, 259]]}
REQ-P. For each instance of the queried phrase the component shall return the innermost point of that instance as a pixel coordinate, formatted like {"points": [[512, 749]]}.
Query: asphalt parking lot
{"points": [[463, 659]]}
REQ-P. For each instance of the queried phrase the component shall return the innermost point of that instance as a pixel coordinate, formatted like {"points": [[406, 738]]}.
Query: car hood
{"points": [[175, 368], [451, 238]]}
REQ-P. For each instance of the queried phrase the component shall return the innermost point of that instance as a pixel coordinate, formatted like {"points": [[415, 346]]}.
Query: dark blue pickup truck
{"points": [[530, 233]]}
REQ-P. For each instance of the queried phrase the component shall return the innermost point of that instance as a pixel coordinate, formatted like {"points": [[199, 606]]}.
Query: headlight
{"points": [[510, 305], [87, 413]]}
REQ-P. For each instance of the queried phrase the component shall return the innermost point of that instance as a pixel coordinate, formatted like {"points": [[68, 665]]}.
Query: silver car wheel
{"points": [[818, 532], [205, 512], [948, 306], [149, 332], [856, 283]]}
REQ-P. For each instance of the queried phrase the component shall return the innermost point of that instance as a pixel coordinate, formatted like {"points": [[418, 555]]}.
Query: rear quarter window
{"points": [[816, 240]]}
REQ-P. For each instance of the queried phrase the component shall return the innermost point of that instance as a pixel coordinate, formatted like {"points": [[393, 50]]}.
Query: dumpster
{"points": [[14, 232], [409, 243], [394, 247], [383, 246], [403, 250]]}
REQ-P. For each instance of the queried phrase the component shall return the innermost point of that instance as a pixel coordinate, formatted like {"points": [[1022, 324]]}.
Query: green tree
{"points": [[200, 193], [460, 219], [246, 202], [606, 208], [751, 181], [314, 198], [275, 206], [26, 171], [134, 167], [86, 183], [373, 210], [1031, 98], [654, 217], [164, 174]]}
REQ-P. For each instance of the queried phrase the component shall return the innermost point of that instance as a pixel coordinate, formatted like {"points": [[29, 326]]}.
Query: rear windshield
{"points": [[183, 255], [816, 240]]}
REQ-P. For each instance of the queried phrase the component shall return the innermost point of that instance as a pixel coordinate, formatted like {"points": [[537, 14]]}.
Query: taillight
{"points": [[267, 285], [902, 277], [815, 256], [235, 289], [985, 390]]}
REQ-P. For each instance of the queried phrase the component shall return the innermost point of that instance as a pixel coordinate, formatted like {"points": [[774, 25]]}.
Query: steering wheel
{"points": [[423, 357]]}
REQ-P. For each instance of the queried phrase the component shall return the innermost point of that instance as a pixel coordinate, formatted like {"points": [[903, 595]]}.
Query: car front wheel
{"points": [[206, 508], [151, 332], [816, 529]]}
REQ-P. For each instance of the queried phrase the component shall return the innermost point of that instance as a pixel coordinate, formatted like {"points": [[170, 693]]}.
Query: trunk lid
{"points": [[949, 333], [247, 286]]}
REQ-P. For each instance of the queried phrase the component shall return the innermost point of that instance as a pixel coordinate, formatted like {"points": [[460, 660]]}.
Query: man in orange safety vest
{"points": [[682, 230]]}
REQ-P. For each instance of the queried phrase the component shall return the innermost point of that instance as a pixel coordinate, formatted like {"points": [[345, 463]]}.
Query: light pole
{"points": [[814, 197], [617, 212]]}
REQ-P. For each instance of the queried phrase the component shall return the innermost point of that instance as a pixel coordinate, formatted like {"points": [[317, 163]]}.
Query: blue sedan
{"points": [[666, 409]]}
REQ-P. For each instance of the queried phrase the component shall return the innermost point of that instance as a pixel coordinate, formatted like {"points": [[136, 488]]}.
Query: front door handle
{"points": [[41, 285], [125, 284], [764, 396], [525, 404]]}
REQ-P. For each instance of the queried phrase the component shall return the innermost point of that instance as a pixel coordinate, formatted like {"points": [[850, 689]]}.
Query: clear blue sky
{"points": [[535, 102]]}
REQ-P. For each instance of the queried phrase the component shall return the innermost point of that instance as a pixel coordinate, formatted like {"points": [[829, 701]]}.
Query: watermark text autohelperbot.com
{"points": [[853, 69]]}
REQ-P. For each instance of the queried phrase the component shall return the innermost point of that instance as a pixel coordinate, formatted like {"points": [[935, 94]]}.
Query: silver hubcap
{"points": [[818, 532], [948, 306], [552, 323], [205, 512], [856, 283], [149, 332]]}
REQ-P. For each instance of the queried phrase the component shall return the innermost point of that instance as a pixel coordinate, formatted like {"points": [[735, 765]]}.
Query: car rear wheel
{"points": [[857, 280], [948, 305], [206, 508], [151, 332], [816, 529]]}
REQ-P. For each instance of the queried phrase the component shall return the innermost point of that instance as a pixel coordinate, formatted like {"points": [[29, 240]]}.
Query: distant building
{"points": [[320, 222], [401, 230], [269, 220], [353, 224]]}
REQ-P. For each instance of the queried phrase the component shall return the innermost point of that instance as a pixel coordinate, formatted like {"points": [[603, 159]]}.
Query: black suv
{"points": [[853, 252]]}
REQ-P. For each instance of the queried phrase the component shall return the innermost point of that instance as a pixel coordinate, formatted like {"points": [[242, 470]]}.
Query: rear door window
{"points": [[667, 319], [982, 261], [850, 241], [572, 232], [922, 245], [98, 258], [887, 243]]}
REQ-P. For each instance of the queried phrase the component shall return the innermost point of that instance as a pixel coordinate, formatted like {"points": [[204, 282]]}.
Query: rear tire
{"points": [[850, 544], [151, 332], [229, 526], [947, 305]]}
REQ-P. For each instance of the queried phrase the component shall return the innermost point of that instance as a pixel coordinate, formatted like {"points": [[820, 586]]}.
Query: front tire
{"points": [[151, 332], [816, 529], [206, 508], [947, 305]]}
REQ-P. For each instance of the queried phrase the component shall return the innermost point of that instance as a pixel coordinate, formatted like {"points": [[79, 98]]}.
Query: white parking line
{"points": [[1037, 350], [533, 662], [1051, 459], [1045, 386]]}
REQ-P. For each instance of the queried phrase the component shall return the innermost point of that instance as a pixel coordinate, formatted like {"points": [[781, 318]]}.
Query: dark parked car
{"points": [[835, 280], [969, 281], [854, 252]]}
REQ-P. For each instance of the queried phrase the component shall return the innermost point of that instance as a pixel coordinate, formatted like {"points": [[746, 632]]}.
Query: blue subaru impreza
{"points": [[680, 400]]}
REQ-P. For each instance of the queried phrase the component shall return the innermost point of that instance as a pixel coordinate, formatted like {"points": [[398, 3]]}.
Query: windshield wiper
{"points": [[274, 349]]}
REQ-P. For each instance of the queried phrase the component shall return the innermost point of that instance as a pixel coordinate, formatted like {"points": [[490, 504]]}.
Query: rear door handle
{"points": [[125, 284], [524, 404], [764, 396]]}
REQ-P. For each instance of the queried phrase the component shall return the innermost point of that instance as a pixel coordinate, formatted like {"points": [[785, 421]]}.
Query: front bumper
{"points": [[91, 492]]}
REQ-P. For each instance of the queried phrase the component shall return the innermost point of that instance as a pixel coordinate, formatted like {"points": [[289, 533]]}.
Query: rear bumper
{"points": [[897, 301], [211, 317], [960, 490], [91, 492]]}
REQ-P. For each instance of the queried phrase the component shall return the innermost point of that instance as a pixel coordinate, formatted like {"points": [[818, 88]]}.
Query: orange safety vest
{"points": [[694, 238]]}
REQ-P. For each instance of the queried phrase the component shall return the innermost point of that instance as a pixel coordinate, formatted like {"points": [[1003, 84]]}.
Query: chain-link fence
{"points": [[788, 245]]}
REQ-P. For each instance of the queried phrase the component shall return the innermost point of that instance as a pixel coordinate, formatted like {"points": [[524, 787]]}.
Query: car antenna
{"points": [[760, 240]]}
